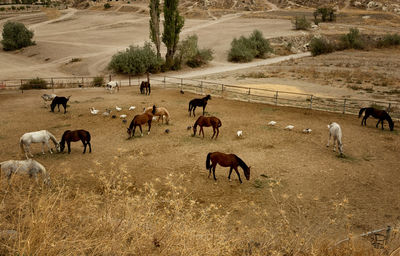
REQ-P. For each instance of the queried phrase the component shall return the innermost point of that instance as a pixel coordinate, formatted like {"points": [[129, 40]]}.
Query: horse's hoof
{"points": [[327, 145], [230, 180], [141, 135], [148, 133]]}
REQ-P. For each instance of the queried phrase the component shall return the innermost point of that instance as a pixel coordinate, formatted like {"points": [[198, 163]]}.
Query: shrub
{"points": [[13, 7], [202, 57], [136, 60], [301, 23], [327, 14], [35, 83], [246, 49], [107, 6], [98, 81], [189, 53], [352, 40], [16, 36], [389, 40], [2, 9], [320, 46]]}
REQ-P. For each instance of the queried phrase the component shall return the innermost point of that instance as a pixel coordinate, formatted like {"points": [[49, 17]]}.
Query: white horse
{"points": [[336, 132], [112, 86], [30, 167], [42, 136]]}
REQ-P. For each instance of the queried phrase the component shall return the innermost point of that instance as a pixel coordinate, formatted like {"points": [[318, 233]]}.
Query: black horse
{"points": [[379, 114], [76, 135], [198, 103], [145, 88], [60, 100]]}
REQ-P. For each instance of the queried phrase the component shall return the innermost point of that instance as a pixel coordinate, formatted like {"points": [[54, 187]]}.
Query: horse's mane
{"points": [[242, 163], [63, 136]]}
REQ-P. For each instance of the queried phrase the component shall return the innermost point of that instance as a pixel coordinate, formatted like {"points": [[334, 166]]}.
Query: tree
{"points": [[155, 24], [16, 36], [173, 24]]}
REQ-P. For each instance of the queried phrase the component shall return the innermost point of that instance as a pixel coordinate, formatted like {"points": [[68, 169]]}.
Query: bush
{"points": [[352, 40], [320, 46], [327, 14], [35, 83], [301, 23], [136, 61], [246, 49], [2, 9], [107, 6], [202, 57], [389, 40], [16, 36], [98, 81], [189, 53]]}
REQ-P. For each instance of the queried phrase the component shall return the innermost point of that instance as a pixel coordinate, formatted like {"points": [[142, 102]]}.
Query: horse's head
{"points": [[194, 130], [58, 147], [129, 131], [68, 97], [391, 126], [61, 146], [247, 173], [208, 97]]}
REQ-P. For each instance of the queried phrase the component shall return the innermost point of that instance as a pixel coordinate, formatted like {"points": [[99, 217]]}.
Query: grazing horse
{"points": [[336, 132], [379, 114], [198, 103], [112, 86], [73, 136], [138, 120], [160, 112], [59, 100], [145, 86], [42, 136], [29, 166], [207, 122], [226, 160]]}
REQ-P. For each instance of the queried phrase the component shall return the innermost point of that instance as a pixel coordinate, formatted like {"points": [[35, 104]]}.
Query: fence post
{"points": [[22, 89], [222, 90], [164, 82], [276, 98], [388, 231], [311, 101], [344, 106], [52, 85], [181, 83], [248, 98], [390, 105], [129, 80], [201, 86], [109, 78]]}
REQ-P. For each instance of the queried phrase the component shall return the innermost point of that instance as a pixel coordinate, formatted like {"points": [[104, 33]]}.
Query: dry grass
{"points": [[139, 197]]}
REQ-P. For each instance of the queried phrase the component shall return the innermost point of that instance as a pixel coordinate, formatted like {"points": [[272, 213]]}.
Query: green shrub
{"points": [[389, 40], [22, 8], [13, 7], [301, 23], [260, 44], [136, 60], [107, 6], [98, 81], [352, 40], [202, 57], [327, 14], [189, 53], [16, 36], [320, 46], [246, 49], [35, 83], [2, 9]]}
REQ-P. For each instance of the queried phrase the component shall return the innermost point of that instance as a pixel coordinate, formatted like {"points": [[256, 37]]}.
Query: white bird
{"points": [[307, 130], [94, 111], [272, 123], [289, 127], [154, 118], [239, 133], [118, 108], [132, 107], [123, 116], [107, 113]]}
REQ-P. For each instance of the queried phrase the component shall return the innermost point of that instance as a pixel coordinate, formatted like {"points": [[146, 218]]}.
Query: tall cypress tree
{"points": [[173, 24], [155, 24]]}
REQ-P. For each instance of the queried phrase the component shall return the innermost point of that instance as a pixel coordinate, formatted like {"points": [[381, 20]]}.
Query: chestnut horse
{"points": [[379, 114], [226, 160], [73, 136], [207, 122], [160, 112], [198, 103], [138, 120]]}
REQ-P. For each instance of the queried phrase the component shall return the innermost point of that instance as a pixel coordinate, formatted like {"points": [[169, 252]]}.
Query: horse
{"points": [[207, 122], [198, 103], [112, 86], [226, 160], [59, 100], [145, 86], [42, 136], [73, 136], [336, 132], [160, 112], [48, 97], [138, 120], [29, 166], [379, 114]]}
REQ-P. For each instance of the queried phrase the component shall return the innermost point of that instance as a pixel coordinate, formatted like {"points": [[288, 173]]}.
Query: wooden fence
{"points": [[233, 92]]}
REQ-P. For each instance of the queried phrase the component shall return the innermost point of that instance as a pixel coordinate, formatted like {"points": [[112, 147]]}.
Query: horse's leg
{"points": [[43, 148], [29, 151], [209, 173], [201, 131], [194, 108], [213, 133], [90, 147], [217, 133], [204, 107], [214, 165], [84, 146], [69, 146], [329, 139], [379, 120], [141, 132], [334, 143], [237, 172], [58, 106], [230, 172], [48, 146], [65, 108], [149, 123]]}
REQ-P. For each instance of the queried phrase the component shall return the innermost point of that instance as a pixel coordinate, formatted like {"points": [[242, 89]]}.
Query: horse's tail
{"points": [[21, 145], [190, 106], [208, 161], [361, 112]]}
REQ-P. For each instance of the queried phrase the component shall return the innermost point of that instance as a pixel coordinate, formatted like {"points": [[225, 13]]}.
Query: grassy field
{"points": [[150, 195]]}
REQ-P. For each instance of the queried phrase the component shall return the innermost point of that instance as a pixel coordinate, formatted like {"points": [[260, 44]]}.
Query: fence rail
{"points": [[233, 92]]}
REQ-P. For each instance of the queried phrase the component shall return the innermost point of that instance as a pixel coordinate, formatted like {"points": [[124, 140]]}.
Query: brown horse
{"points": [[226, 160], [379, 114], [73, 136], [207, 122], [138, 120], [145, 86]]}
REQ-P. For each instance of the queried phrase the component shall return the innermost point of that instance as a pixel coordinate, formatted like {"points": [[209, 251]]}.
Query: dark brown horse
{"points": [[207, 122], [138, 120], [226, 160], [59, 100], [73, 136], [379, 114], [198, 103], [145, 86]]}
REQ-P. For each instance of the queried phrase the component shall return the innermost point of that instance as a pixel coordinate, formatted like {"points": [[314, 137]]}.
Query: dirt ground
{"points": [[311, 180]]}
